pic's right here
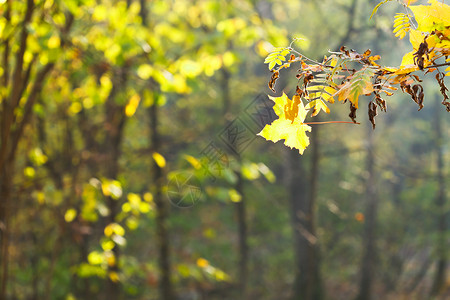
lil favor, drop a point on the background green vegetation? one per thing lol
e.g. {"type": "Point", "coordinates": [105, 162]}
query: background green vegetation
{"type": "Point", "coordinates": [104, 105]}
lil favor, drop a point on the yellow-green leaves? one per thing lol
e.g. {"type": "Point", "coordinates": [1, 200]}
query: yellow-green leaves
{"type": "Point", "coordinates": [276, 57]}
{"type": "Point", "coordinates": [317, 106]}
{"type": "Point", "coordinates": [289, 126]}
{"type": "Point", "coordinates": [401, 25]}
{"type": "Point", "coordinates": [321, 92]}
{"type": "Point", "coordinates": [360, 84]}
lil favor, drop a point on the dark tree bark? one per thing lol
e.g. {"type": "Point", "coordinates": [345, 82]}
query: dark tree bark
{"type": "Point", "coordinates": [11, 129]}
{"type": "Point", "coordinates": [162, 212]}
{"type": "Point", "coordinates": [166, 289]}
{"type": "Point", "coordinates": [114, 124]}
{"type": "Point", "coordinates": [441, 224]}
{"type": "Point", "coordinates": [242, 233]}
{"type": "Point", "coordinates": [367, 269]}
{"type": "Point", "coordinates": [5, 194]}
{"type": "Point", "coordinates": [307, 284]}
{"type": "Point", "coordinates": [240, 206]}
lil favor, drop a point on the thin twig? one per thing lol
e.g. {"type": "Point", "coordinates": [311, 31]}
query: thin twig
{"type": "Point", "coordinates": [331, 122]}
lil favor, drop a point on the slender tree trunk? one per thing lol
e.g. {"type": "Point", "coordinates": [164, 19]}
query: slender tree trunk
{"type": "Point", "coordinates": [241, 205]}
{"type": "Point", "coordinates": [11, 129]}
{"type": "Point", "coordinates": [367, 269]}
{"type": "Point", "coordinates": [242, 233]}
{"type": "Point", "coordinates": [162, 209]}
{"type": "Point", "coordinates": [441, 246]}
{"type": "Point", "coordinates": [307, 284]}
{"type": "Point", "coordinates": [162, 232]}
{"type": "Point", "coordinates": [5, 213]}
{"type": "Point", "coordinates": [114, 125]}
{"type": "Point", "coordinates": [314, 264]}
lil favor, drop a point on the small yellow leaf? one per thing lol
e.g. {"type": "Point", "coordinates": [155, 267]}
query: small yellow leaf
{"type": "Point", "coordinates": [193, 161]}
{"type": "Point", "coordinates": [53, 42]}
{"type": "Point", "coordinates": [29, 172]}
{"type": "Point", "coordinates": [70, 215]}
{"type": "Point", "coordinates": [448, 71]}
{"type": "Point", "coordinates": [159, 159]}
{"type": "Point", "coordinates": [107, 245]}
{"type": "Point", "coordinates": [132, 105]}
{"type": "Point", "coordinates": [317, 106]}
{"type": "Point", "coordinates": [111, 260]}
{"type": "Point", "coordinates": [114, 276]}
{"type": "Point", "coordinates": [114, 228]}
{"type": "Point", "coordinates": [234, 196]}
{"type": "Point", "coordinates": [108, 231]}
{"type": "Point", "coordinates": [202, 263]}
{"type": "Point", "coordinates": [95, 258]}
{"type": "Point", "coordinates": [145, 71]}
{"type": "Point", "coordinates": [148, 197]}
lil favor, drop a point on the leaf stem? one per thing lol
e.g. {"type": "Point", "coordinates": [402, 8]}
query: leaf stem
{"type": "Point", "coordinates": [331, 122]}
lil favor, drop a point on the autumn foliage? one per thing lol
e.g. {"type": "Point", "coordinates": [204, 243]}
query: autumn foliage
{"type": "Point", "coordinates": [347, 75]}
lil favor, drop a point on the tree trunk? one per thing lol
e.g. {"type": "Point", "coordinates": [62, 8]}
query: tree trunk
{"type": "Point", "coordinates": [441, 247]}
{"type": "Point", "coordinates": [242, 233]}
{"type": "Point", "coordinates": [162, 232]}
{"type": "Point", "coordinates": [367, 269]}
{"type": "Point", "coordinates": [11, 129]}
{"type": "Point", "coordinates": [241, 205]}
{"type": "Point", "coordinates": [307, 284]}
{"type": "Point", "coordinates": [5, 213]}
{"type": "Point", "coordinates": [114, 124]}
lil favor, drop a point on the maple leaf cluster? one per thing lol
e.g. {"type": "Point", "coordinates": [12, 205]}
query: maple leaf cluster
{"type": "Point", "coordinates": [347, 75]}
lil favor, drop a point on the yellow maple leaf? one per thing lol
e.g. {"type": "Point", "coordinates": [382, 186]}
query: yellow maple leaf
{"type": "Point", "coordinates": [436, 15]}
{"type": "Point", "coordinates": [289, 126]}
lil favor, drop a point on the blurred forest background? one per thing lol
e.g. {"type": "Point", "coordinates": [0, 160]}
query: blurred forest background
{"type": "Point", "coordinates": [130, 166]}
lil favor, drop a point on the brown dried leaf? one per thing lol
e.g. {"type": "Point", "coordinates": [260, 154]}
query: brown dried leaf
{"type": "Point", "coordinates": [273, 80]}
{"type": "Point", "coordinates": [443, 90]}
{"type": "Point", "coordinates": [352, 113]}
{"type": "Point", "coordinates": [372, 113]}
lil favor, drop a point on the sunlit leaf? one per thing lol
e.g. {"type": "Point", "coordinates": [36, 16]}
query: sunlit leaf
{"type": "Point", "coordinates": [159, 159]}
{"type": "Point", "coordinates": [317, 106]}
{"type": "Point", "coordinates": [401, 25]}
{"type": "Point", "coordinates": [360, 84]}
{"type": "Point", "coordinates": [95, 258]}
{"type": "Point", "coordinates": [53, 42]}
{"type": "Point", "coordinates": [234, 195]}
{"type": "Point", "coordinates": [132, 105]}
{"type": "Point", "coordinates": [202, 263]}
{"type": "Point", "coordinates": [144, 71]}
{"type": "Point", "coordinates": [435, 15]}
{"type": "Point", "coordinates": [289, 126]}
{"type": "Point", "coordinates": [70, 215]}
{"type": "Point", "coordinates": [276, 57]}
